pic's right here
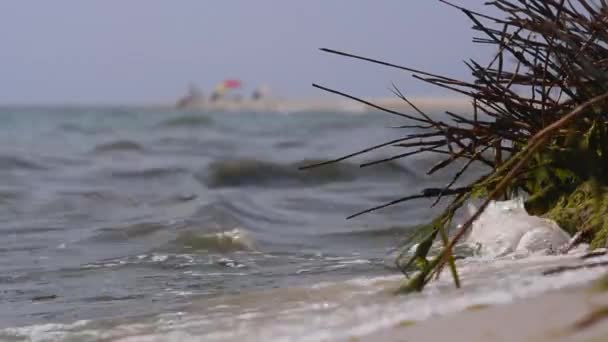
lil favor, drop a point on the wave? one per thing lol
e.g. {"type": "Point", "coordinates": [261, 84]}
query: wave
{"type": "Point", "coordinates": [393, 231]}
{"type": "Point", "coordinates": [187, 121]}
{"type": "Point", "coordinates": [284, 145]}
{"type": "Point", "coordinates": [179, 237]}
{"type": "Point", "coordinates": [252, 172]}
{"type": "Point", "coordinates": [23, 231]}
{"type": "Point", "coordinates": [71, 127]}
{"type": "Point", "coordinates": [148, 173]}
{"type": "Point", "coordinates": [118, 146]}
{"type": "Point", "coordinates": [110, 298]}
{"type": "Point", "coordinates": [222, 241]}
{"type": "Point", "coordinates": [7, 195]}
{"type": "Point", "coordinates": [13, 163]}
{"type": "Point", "coordinates": [244, 211]}
{"type": "Point", "coordinates": [134, 231]}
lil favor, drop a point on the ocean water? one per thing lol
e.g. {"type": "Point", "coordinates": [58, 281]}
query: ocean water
{"type": "Point", "coordinates": [153, 224]}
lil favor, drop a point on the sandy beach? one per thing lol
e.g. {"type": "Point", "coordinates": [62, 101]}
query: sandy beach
{"type": "Point", "coordinates": [577, 314]}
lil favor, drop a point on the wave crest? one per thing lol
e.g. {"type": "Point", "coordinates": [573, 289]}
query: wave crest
{"type": "Point", "coordinates": [223, 241]}
{"type": "Point", "coordinates": [252, 172]}
{"type": "Point", "coordinates": [12, 163]}
{"type": "Point", "coordinates": [118, 146]}
{"type": "Point", "coordinates": [187, 121]}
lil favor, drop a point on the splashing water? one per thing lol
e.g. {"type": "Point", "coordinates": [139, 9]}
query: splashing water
{"type": "Point", "coordinates": [506, 228]}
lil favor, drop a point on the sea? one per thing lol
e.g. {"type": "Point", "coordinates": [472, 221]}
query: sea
{"type": "Point", "coordinates": [153, 224]}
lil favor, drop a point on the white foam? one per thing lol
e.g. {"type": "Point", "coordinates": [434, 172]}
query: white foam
{"type": "Point", "coordinates": [506, 228]}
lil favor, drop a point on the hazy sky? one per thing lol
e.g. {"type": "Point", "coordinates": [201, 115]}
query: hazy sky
{"type": "Point", "coordinates": [137, 51]}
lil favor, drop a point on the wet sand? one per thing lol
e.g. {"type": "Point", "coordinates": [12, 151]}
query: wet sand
{"type": "Point", "coordinates": [578, 314]}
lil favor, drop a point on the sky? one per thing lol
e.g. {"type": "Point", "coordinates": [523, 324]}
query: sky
{"type": "Point", "coordinates": [149, 51]}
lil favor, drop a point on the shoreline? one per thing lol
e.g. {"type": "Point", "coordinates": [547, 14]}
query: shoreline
{"type": "Point", "coordinates": [532, 305]}
{"type": "Point", "coordinates": [337, 104]}
{"type": "Point", "coordinates": [305, 104]}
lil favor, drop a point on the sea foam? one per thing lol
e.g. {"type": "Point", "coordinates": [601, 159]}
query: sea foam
{"type": "Point", "coordinates": [506, 228]}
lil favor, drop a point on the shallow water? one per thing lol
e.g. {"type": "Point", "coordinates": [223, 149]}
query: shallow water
{"type": "Point", "coordinates": [132, 223]}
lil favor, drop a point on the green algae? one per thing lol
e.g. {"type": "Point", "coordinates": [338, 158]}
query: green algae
{"type": "Point", "coordinates": [477, 307]}
{"type": "Point", "coordinates": [407, 323]}
{"type": "Point", "coordinates": [600, 285]}
{"type": "Point", "coordinates": [584, 210]}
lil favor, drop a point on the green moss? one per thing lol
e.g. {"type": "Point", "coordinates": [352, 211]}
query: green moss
{"type": "Point", "coordinates": [476, 307]}
{"type": "Point", "coordinates": [585, 209]}
{"type": "Point", "coordinates": [601, 238]}
{"type": "Point", "coordinates": [415, 284]}
{"type": "Point", "coordinates": [600, 285]}
{"type": "Point", "coordinates": [407, 323]}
